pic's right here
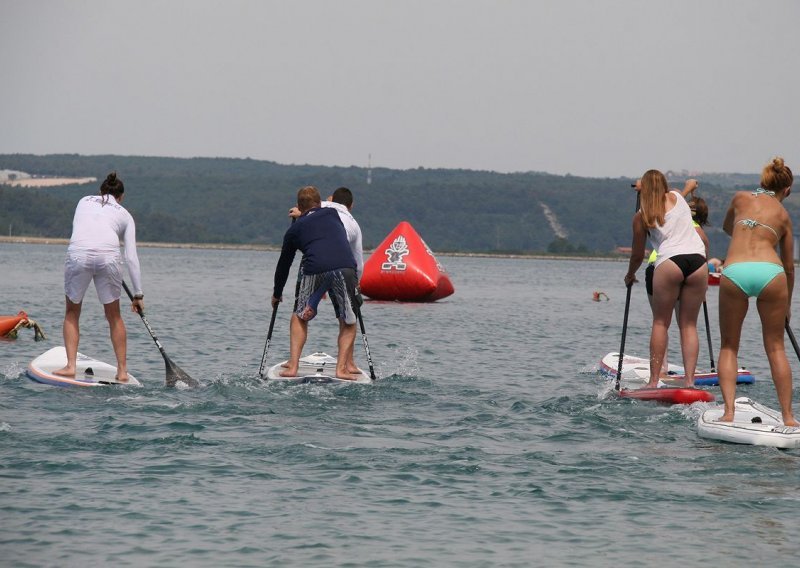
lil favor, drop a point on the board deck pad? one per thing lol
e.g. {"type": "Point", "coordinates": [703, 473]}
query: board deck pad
{"type": "Point", "coordinates": [753, 424]}
{"type": "Point", "coordinates": [314, 368]}
{"type": "Point", "coordinates": [89, 372]}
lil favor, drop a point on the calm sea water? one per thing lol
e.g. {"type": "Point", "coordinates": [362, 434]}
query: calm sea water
{"type": "Point", "coordinates": [488, 440]}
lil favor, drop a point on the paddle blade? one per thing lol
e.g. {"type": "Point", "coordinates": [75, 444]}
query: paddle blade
{"type": "Point", "coordinates": [177, 375]}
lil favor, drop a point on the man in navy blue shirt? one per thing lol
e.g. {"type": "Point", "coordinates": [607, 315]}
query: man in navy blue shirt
{"type": "Point", "coordinates": [328, 267]}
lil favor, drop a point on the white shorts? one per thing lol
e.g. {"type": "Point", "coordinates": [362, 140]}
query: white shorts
{"type": "Point", "coordinates": [105, 269]}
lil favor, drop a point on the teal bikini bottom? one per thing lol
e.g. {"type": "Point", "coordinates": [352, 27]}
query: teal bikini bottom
{"type": "Point", "coordinates": [752, 277]}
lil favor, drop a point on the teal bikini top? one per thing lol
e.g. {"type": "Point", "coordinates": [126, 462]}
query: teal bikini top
{"type": "Point", "coordinates": [752, 223]}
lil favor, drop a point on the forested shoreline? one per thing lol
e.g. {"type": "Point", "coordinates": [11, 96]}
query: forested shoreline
{"type": "Point", "coordinates": [245, 202]}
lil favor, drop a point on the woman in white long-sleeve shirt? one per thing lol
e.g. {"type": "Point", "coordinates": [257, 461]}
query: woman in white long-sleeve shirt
{"type": "Point", "coordinates": [99, 224]}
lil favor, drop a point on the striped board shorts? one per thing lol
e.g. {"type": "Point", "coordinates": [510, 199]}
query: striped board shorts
{"type": "Point", "coordinates": [339, 284]}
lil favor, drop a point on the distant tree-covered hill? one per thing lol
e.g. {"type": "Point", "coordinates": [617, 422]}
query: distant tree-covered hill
{"type": "Point", "coordinates": [220, 200]}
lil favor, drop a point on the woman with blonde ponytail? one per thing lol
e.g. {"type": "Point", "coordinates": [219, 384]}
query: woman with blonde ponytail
{"type": "Point", "coordinates": [758, 224]}
{"type": "Point", "coordinates": [680, 274]}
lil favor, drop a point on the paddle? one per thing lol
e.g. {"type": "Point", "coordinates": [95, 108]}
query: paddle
{"type": "Point", "coordinates": [272, 319]}
{"type": "Point", "coordinates": [792, 339]}
{"type": "Point", "coordinates": [360, 318]}
{"type": "Point", "coordinates": [269, 338]}
{"type": "Point", "coordinates": [625, 318]}
{"type": "Point", "coordinates": [174, 373]}
{"type": "Point", "coordinates": [624, 333]}
{"type": "Point", "coordinates": [708, 335]}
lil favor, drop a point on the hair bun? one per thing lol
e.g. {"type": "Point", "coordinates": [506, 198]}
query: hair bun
{"type": "Point", "coordinates": [777, 163]}
{"type": "Point", "coordinates": [111, 178]}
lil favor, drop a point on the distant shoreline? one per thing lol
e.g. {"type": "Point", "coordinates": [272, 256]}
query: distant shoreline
{"type": "Point", "coordinates": [272, 248]}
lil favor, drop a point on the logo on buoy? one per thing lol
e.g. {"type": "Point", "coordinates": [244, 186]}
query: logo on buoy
{"type": "Point", "coordinates": [395, 253]}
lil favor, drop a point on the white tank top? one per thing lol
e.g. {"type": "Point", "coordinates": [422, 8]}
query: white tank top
{"type": "Point", "coordinates": [99, 224]}
{"type": "Point", "coordinates": [677, 235]}
{"type": "Point", "coordinates": [353, 234]}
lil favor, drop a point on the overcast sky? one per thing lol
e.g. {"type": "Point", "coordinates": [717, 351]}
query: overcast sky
{"type": "Point", "coordinates": [592, 88]}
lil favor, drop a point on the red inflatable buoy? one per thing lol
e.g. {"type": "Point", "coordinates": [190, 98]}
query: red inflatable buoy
{"type": "Point", "coordinates": [403, 268]}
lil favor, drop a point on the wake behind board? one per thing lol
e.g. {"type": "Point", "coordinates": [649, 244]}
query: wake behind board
{"type": "Point", "coordinates": [753, 424]}
{"type": "Point", "coordinates": [669, 395]}
{"type": "Point", "coordinates": [88, 372]}
{"type": "Point", "coordinates": [638, 368]}
{"type": "Point", "coordinates": [314, 368]}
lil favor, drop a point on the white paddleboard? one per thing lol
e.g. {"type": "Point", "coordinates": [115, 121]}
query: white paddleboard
{"type": "Point", "coordinates": [638, 369]}
{"type": "Point", "coordinates": [88, 372]}
{"type": "Point", "coordinates": [753, 424]}
{"type": "Point", "coordinates": [314, 368]}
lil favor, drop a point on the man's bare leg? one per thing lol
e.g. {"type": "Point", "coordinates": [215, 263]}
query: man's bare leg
{"type": "Point", "coordinates": [347, 335]}
{"type": "Point", "coordinates": [298, 332]}
{"type": "Point", "coordinates": [72, 336]}
{"type": "Point", "coordinates": [350, 364]}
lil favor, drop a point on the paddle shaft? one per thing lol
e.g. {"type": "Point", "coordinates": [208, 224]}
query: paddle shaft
{"type": "Point", "coordinates": [174, 373]}
{"type": "Point", "coordinates": [708, 336]}
{"type": "Point", "coordinates": [360, 319]}
{"type": "Point", "coordinates": [625, 319]}
{"type": "Point", "coordinates": [269, 338]}
{"type": "Point", "coordinates": [146, 323]}
{"type": "Point", "coordinates": [272, 324]}
{"type": "Point", "coordinates": [624, 333]}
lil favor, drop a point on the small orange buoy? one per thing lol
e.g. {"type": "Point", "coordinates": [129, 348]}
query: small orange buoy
{"type": "Point", "coordinates": [10, 325]}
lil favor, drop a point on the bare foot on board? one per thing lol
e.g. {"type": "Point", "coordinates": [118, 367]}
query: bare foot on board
{"type": "Point", "coordinates": [65, 372]}
{"type": "Point", "coordinates": [347, 377]}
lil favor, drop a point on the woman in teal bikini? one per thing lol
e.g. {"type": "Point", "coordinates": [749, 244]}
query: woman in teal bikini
{"type": "Point", "coordinates": [758, 223]}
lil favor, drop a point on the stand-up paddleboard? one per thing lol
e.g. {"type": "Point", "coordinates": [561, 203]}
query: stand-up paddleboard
{"type": "Point", "coordinates": [314, 368]}
{"type": "Point", "coordinates": [88, 372]}
{"type": "Point", "coordinates": [638, 368]}
{"type": "Point", "coordinates": [753, 424]}
{"type": "Point", "coordinates": [669, 395]}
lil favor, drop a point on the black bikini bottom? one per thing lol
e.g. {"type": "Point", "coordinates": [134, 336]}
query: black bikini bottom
{"type": "Point", "coordinates": [688, 263]}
